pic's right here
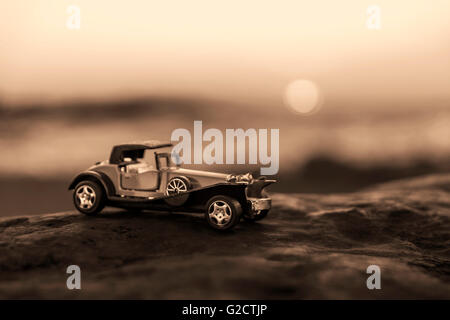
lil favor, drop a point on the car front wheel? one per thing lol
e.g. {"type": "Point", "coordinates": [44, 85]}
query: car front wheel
{"type": "Point", "coordinates": [223, 213]}
{"type": "Point", "coordinates": [89, 197]}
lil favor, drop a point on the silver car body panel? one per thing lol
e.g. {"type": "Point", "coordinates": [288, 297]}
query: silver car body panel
{"type": "Point", "coordinates": [128, 180]}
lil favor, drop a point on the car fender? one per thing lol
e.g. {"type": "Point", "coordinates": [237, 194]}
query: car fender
{"type": "Point", "coordinates": [98, 177]}
{"type": "Point", "coordinates": [200, 196]}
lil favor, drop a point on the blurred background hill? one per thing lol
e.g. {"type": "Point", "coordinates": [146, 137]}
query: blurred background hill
{"type": "Point", "coordinates": [45, 146]}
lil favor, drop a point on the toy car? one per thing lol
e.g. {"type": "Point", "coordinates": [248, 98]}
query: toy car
{"type": "Point", "coordinates": [142, 176]}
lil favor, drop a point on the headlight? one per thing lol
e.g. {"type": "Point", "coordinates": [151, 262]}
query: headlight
{"type": "Point", "coordinates": [245, 177]}
{"type": "Point", "coordinates": [231, 178]}
{"type": "Point", "coordinates": [240, 178]}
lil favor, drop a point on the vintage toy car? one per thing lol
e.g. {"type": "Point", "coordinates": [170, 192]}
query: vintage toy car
{"type": "Point", "coordinates": [143, 176]}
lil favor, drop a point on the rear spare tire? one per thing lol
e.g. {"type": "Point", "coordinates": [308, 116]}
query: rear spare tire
{"type": "Point", "coordinates": [177, 189]}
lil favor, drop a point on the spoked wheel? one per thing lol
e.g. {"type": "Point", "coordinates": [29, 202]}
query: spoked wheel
{"type": "Point", "coordinates": [177, 185]}
{"type": "Point", "coordinates": [223, 212]}
{"type": "Point", "coordinates": [258, 215]}
{"type": "Point", "coordinates": [88, 197]}
{"type": "Point", "coordinates": [174, 188]}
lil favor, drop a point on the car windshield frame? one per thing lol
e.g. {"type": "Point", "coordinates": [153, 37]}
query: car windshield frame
{"type": "Point", "coordinates": [136, 149]}
{"type": "Point", "coordinates": [166, 155]}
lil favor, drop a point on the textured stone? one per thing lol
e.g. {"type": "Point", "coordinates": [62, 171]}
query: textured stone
{"type": "Point", "coordinates": [310, 246]}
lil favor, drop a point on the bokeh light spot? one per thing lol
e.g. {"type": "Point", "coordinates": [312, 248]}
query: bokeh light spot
{"type": "Point", "coordinates": [303, 96]}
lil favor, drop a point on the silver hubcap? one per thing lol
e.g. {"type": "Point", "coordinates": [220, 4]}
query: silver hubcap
{"type": "Point", "coordinates": [85, 196]}
{"type": "Point", "coordinates": [176, 186]}
{"type": "Point", "coordinates": [219, 213]}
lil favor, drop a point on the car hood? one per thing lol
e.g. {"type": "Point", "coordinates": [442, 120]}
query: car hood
{"type": "Point", "coordinates": [199, 173]}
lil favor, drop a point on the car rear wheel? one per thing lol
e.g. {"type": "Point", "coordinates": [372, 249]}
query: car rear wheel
{"type": "Point", "coordinates": [89, 197]}
{"type": "Point", "coordinates": [223, 213]}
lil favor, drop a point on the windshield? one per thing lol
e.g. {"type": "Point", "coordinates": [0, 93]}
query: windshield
{"type": "Point", "coordinates": [164, 160]}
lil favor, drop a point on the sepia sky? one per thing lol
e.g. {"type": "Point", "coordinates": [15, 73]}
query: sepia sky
{"type": "Point", "coordinates": [244, 51]}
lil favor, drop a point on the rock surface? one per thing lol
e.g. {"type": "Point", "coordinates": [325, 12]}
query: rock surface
{"type": "Point", "coordinates": [310, 246]}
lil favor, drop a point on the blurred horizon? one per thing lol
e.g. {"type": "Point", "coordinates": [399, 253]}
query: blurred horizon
{"type": "Point", "coordinates": [47, 141]}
